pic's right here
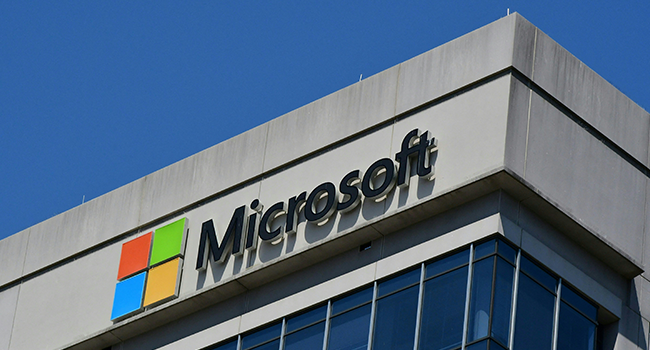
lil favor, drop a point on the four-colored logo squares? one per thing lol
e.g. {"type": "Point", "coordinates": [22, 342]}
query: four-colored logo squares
{"type": "Point", "coordinates": [150, 269]}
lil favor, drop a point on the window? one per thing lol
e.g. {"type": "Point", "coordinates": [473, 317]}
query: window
{"type": "Point", "coordinates": [467, 298]}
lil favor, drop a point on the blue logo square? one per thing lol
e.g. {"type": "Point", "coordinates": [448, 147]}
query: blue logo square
{"type": "Point", "coordinates": [128, 296]}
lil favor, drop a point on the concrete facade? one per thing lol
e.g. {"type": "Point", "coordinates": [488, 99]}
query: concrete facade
{"type": "Point", "coordinates": [533, 146]}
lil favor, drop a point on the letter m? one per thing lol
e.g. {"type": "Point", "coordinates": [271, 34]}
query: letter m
{"type": "Point", "coordinates": [209, 245]}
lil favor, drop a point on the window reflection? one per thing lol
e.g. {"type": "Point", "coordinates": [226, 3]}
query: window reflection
{"type": "Point", "coordinates": [395, 320]}
{"type": "Point", "coordinates": [349, 330]}
{"type": "Point", "coordinates": [443, 311]}
{"type": "Point", "coordinates": [446, 310]}
{"type": "Point", "coordinates": [534, 320]}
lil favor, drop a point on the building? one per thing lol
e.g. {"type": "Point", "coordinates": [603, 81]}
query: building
{"type": "Point", "coordinates": [488, 194]}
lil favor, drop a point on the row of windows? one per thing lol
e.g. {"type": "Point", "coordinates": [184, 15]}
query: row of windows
{"type": "Point", "coordinates": [486, 297]}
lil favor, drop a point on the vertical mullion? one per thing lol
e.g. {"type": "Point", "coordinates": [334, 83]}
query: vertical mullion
{"type": "Point", "coordinates": [493, 295]}
{"type": "Point", "coordinates": [556, 317]}
{"type": "Point", "coordinates": [515, 292]}
{"type": "Point", "coordinates": [282, 332]}
{"type": "Point", "coordinates": [372, 315]}
{"type": "Point", "coordinates": [418, 315]}
{"type": "Point", "coordinates": [467, 296]}
{"type": "Point", "coordinates": [328, 315]}
{"type": "Point", "coordinates": [239, 341]}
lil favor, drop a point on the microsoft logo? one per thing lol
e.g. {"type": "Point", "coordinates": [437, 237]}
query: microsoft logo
{"type": "Point", "coordinates": [150, 269]}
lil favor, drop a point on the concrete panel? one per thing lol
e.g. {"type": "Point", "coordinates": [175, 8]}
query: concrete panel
{"type": "Point", "coordinates": [573, 274]}
{"type": "Point", "coordinates": [331, 118]}
{"type": "Point", "coordinates": [592, 97]}
{"type": "Point", "coordinates": [539, 236]}
{"type": "Point", "coordinates": [471, 133]}
{"type": "Point", "coordinates": [586, 178]}
{"type": "Point", "coordinates": [455, 64]}
{"type": "Point", "coordinates": [524, 45]}
{"type": "Point", "coordinates": [220, 211]}
{"type": "Point", "coordinates": [70, 302]}
{"type": "Point", "coordinates": [517, 132]}
{"type": "Point", "coordinates": [646, 234]}
{"type": "Point", "coordinates": [199, 339]}
{"type": "Point", "coordinates": [321, 292]}
{"type": "Point", "coordinates": [8, 301]}
{"type": "Point", "coordinates": [628, 331]}
{"type": "Point", "coordinates": [642, 287]}
{"type": "Point", "coordinates": [434, 247]}
{"type": "Point", "coordinates": [331, 166]}
{"type": "Point", "coordinates": [644, 332]}
{"type": "Point", "coordinates": [204, 174]}
{"type": "Point", "coordinates": [509, 211]}
{"type": "Point", "coordinates": [12, 256]}
{"type": "Point", "coordinates": [83, 227]}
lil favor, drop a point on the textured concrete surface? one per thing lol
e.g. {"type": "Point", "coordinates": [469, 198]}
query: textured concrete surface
{"type": "Point", "coordinates": [455, 64]}
{"type": "Point", "coordinates": [8, 301]}
{"type": "Point", "coordinates": [12, 256]}
{"type": "Point", "coordinates": [591, 97]}
{"type": "Point", "coordinates": [581, 174]}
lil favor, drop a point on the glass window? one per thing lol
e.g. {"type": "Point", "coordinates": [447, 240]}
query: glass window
{"type": "Point", "coordinates": [507, 252]}
{"type": "Point", "coordinates": [534, 319]}
{"type": "Point", "coordinates": [398, 282]}
{"type": "Point", "coordinates": [482, 345]}
{"type": "Point", "coordinates": [481, 297]}
{"type": "Point", "coordinates": [352, 301]}
{"type": "Point", "coordinates": [575, 331]}
{"type": "Point", "coordinates": [231, 345]}
{"type": "Point", "coordinates": [502, 301]}
{"type": "Point", "coordinates": [579, 302]}
{"type": "Point", "coordinates": [495, 346]}
{"type": "Point", "coordinates": [538, 274]}
{"type": "Point", "coordinates": [349, 330]}
{"type": "Point", "coordinates": [448, 263]}
{"type": "Point", "coordinates": [306, 318]}
{"type": "Point", "coordinates": [443, 311]}
{"type": "Point", "coordinates": [261, 336]}
{"type": "Point", "coordinates": [307, 338]}
{"type": "Point", "coordinates": [484, 249]}
{"type": "Point", "coordinates": [395, 320]}
{"type": "Point", "coordinates": [274, 345]}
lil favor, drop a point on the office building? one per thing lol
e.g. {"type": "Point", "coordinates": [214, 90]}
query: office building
{"type": "Point", "coordinates": [488, 194]}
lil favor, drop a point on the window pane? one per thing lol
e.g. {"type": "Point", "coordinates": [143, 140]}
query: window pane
{"type": "Point", "coordinates": [274, 345]}
{"type": "Point", "coordinates": [447, 263]}
{"type": "Point", "coordinates": [395, 320]}
{"type": "Point", "coordinates": [479, 306]}
{"type": "Point", "coordinates": [534, 322]}
{"type": "Point", "coordinates": [443, 311]}
{"type": "Point", "coordinates": [538, 273]}
{"type": "Point", "coordinates": [306, 318]}
{"type": "Point", "coordinates": [307, 338]}
{"type": "Point", "coordinates": [495, 346]}
{"type": "Point", "coordinates": [398, 282]}
{"type": "Point", "coordinates": [575, 331]}
{"type": "Point", "coordinates": [351, 301]}
{"type": "Point", "coordinates": [349, 331]}
{"type": "Point", "coordinates": [507, 251]}
{"type": "Point", "coordinates": [228, 346]}
{"type": "Point", "coordinates": [482, 345]}
{"type": "Point", "coordinates": [484, 249]}
{"type": "Point", "coordinates": [502, 301]}
{"type": "Point", "coordinates": [261, 336]}
{"type": "Point", "coordinates": [579, 302]}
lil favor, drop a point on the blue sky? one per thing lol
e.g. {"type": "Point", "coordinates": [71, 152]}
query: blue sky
{"type": "Point", "coordinates": [94, 95]}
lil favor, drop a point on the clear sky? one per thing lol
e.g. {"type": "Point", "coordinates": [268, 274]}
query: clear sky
{"type": "Point", "coordinates": [96, 94]}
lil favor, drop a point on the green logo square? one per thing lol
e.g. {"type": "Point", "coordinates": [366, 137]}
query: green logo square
{"type": "Point", "coordinates": [168, 242]}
